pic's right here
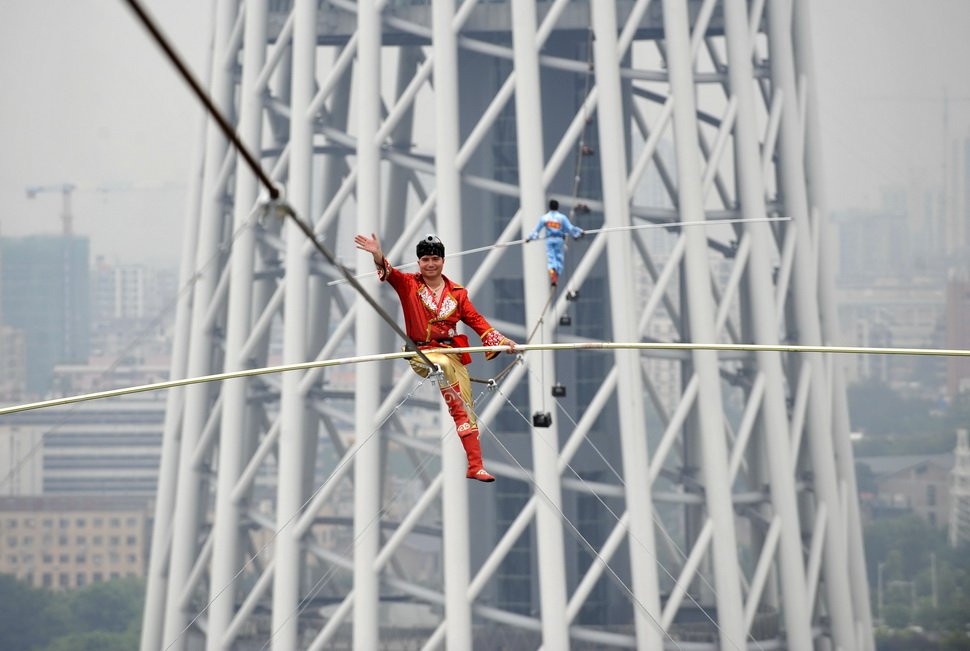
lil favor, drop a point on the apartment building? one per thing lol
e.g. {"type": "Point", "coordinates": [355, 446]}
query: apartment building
{"type": "Point", "coordinates": [61, 542]}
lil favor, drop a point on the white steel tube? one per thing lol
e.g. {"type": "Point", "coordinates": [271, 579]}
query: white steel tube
{"type": "Point", "coordinates": [805, 291]}
{"type": "Point", "coordinates": [236, 413]}
{"type": "Point", "coordinates": [545, 441]}
{"type": "Point", "coordinates": [290, 452]}
{"type": "Point", "coordinates": [187, 512]}
{"type": "Point", "coordinates": [458, 617]}
{"type": "Point", "coordinates": [805, 63]}
{"type": "Point", "coordinates": [773, 426]}
{"type": "Point", "coordinates": [367, 466]}
{"type": "Point", "coordinates": [633, 435]}
{"type": "Point", "coordinates": [151, 632]}
{"type": "Point", "coordinates": [700, 310]}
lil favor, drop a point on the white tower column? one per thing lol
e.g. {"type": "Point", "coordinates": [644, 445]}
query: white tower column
{"type": "Point", "coordinates": [367, 463]}
{"type": "Point", "coordinates": [189, 509]}
{"type": "Point", "coordinates": [774, 422]}
{"type": "Point", "coordinates": [700, 311]}
{"type": "Point", "coordinates": [805, 286]}
{"type": "Point", "coordinates": [633, 431]}
{"type": "Point", "coordinates": [545, 441]}
{"type": "Point", "coordinates": [293, 415]}
{"type": "Point", "coordinates": [236, 413]}
{"type": "Point", "coordinates": [455, 537]}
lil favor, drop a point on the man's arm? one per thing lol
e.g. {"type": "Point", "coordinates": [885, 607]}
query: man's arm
{"type": "Point", "coordinates": [572, 229]}
{"type": "Point", "coordinates": [535, 231]}
{"type": "Point", "coordinates": [489, 335]}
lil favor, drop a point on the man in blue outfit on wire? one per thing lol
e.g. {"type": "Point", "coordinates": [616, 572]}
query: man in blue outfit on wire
{"type": "Point", "coordinates": [557, 227]}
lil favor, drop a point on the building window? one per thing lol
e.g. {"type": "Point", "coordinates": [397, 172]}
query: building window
{"type": "Point", "coordinates": [48, 558]}
{"type": "Point", "coordinates": [62, 540]}
{"type": "Point", "coordinates": [115, 540]}
{"type": "Point", "coordinates": [132, 540]}
{"type": "Point", "coordinates": [28, 540]}
{"type": "Point", "coordinates": [64, 523]}
{"type": "Point", "coordinates": [81, 522]}
{"type": "Point", "coordinates": [931, 495]}
{"type": "Point", "coordinates": [48, 580]}
{"type": "Point", "coordinates": [64, 580]}
{"type": "Point", "coordinates": [48, 523]}
{"type": "Point", "coordinates": [97, 522]}
{"type": "Point", "coordinates": [114, 522]}
{"type": "Point", "coordinates": [11, 524]}
{"type": "Point", "coordinates": [80, 579]}
{"type": "Point", "coordinates": [11, 559]}
{"type": "Point", "coordinates": [81, 558]}
{"type": "Point", "coordinates": [12, 541]}
{"type": "Point", "coordinates": [98, 577]}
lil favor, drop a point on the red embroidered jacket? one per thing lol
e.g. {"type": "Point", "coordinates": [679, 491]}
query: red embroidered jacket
{"type": "Point", "coordinates": [426, 322]}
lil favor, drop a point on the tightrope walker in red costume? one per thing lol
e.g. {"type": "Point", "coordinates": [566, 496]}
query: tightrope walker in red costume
{"type": "Point", "coordinates": [433, 305]}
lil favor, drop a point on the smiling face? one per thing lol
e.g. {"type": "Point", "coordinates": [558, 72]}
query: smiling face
{"type": "Point", "coordinates": [431, 267]}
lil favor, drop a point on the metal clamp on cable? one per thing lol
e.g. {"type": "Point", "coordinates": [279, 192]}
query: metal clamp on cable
{"type": "Point", "coordinates": [437, 375]}
{"type": "Point", "coordinates": [277, 207]}
{"type": "Point", "coordinates": [492, 384]}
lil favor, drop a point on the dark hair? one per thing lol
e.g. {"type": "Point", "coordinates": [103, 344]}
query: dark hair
{"type": "Point", "coordinates": [430, 245]}
{"type": "Point", "coordinates": [553, 204]}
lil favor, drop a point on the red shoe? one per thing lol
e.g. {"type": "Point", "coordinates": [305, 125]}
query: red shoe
{"type": "Point", "coordinates": [481, 475]}
{"type": "Point", "coordinates": [473, 450]}
{"type": "Point", "coordinates": [553, 277]}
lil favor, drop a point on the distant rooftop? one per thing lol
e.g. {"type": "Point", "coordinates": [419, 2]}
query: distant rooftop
{"type": "Point", "coordinates": [890, 465]}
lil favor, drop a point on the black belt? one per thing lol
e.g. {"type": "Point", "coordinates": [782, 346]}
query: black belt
{"type": "Point", "coordinates": [446, 342]}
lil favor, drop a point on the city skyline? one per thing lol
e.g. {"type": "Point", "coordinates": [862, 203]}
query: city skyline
{"type": "Point", "coordinates": [134, 126]}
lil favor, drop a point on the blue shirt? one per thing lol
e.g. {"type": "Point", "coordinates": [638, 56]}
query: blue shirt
{"type": "Point", "coordinates": [557, 225]}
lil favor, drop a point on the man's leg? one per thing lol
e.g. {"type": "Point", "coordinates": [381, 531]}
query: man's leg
{"type": "Point", "coordinates": [456, 390]}
{"type": "Point", "coordinates": [554, 259]}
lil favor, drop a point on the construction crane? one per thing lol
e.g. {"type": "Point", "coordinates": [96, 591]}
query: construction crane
{"type": "Point", "coordinates": [66, 189]}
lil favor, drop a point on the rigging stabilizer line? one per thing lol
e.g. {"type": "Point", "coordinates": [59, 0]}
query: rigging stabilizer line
{"type": "Point", "coordinates": [703, 222]}
{"type": "Point", "coordinates": [520, 348]}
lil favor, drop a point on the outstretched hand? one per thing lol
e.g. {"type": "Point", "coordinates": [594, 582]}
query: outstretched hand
{"type": "Point", "coordinates": [510, 346]}
{"type": "Point", "coordinates": [370, 244]}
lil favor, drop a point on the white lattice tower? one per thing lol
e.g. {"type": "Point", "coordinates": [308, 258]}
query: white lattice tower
{"type": "Point", "coordinates": [960, 493]}
{"type": "Point", "coordinates": [680, 498]}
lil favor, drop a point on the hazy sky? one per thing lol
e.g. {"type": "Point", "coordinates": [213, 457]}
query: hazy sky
{"type": "Point", "coordinates": [88, 99]}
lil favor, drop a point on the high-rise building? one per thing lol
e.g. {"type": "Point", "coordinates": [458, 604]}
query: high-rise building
{"type": "Point", "coordinates": [45, 293]}
{"type": "Point", "coordinates": [958, 333]}
{"type": "Point", "coordinates": [132, 310]}
{"type": "Point", "coordinates": [13, 364]}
